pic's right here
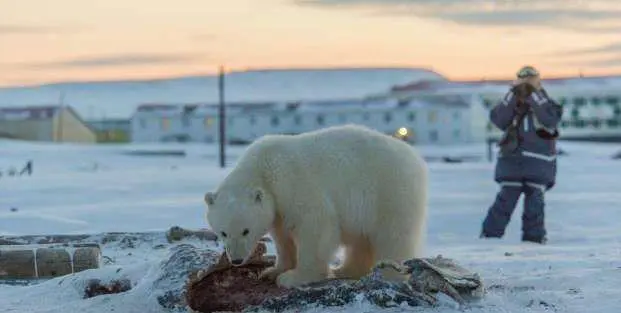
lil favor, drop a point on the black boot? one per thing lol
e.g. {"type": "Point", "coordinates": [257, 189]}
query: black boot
{"type": "Point", "coordinates": [540, 240]}
{"type": "Point", "coordinates": [485, 236]}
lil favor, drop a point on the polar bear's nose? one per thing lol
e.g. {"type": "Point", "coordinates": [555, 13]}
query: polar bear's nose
{"type": "Point", "coordinates": [237, 261]}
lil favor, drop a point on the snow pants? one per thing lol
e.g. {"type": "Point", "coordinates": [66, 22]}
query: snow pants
{"type": "Point", "coordinates": [499, 214]}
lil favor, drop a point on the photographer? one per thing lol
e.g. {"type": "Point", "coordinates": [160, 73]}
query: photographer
{"type": "Point", "coordinates": [527, 157]}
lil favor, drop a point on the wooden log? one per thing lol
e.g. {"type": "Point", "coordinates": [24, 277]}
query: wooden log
{"type": "Point", "coordinates": [85, 258]}
{"type": "Point", "coordinates": [32, 262]}
{"type": "Point", "coordinates": [53, 262]}
{"type": "Point", "coordinates": [17, 264]}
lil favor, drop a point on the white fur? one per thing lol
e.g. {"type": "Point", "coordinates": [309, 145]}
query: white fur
{"type": "Point", "coordinates": [345, 185]}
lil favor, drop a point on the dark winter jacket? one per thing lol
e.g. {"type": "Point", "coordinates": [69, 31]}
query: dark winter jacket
{"type": "Point", "coordinates": [528, 149]}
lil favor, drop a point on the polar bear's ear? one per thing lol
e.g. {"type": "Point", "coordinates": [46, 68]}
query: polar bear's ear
{"type": "Point", "coordinates": [210, 198]}
{"type": "Point", "coordinates": [258, 195]}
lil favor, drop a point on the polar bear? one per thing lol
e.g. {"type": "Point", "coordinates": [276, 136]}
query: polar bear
{"type": "Point", "coordinates": [347, 186]}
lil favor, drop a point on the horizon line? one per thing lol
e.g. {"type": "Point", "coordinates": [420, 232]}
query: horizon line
{"type": "Point", "coordinates": [148, 79]}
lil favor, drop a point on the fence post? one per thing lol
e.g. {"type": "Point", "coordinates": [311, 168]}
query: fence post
{"type": "Point", "coordinates": [490, 152]}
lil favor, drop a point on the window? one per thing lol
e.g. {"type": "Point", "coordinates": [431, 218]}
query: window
{"type": "Point", "coordinates": [143, 123]}
{"type": "Point", "coordinates": [562, 101]}
{"type": "Point", "coordinates": [366, 116]}
{"type": "Point", "coordinates": [596, 101]}
{"type": "Point", "coordinates": [253, 120]}
{"type": "Point", "coordinates": [487, 103]}
{"type": "Point", "coordinates": [433, 136]}
{"type": "Point", "coordinates": [432, 116]}
{"type": "Point", "coordinates": [297, 120]}
{"type": "Point", "coordinates": [185, 120]}
{"type": "Point", "coordinates": [579, 123]}
{"type": "Point", "coordinates": [387, 117]}
{"type": "Point", "coordinates": [275, 121]}
{"type": "Point", "coordinates": [575, 113]}
{"type": "Point", "coordinates": [612, 100]}
{"type": "Point", "coordinates": [208, 122]}
{"type": "Point", "coordinates": [579, 101]}
{"type": "Point", "coordinates": [165, 123]}
{"type": "Point", "coordinates": [403, 103]}
{"type": "Point", "coordinates": [320, 119]}
{"type": "Point", "coordinates": [411, 116]}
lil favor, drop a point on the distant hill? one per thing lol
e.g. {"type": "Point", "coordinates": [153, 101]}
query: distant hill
{"type": "Point", "coordinates": [119, 98]}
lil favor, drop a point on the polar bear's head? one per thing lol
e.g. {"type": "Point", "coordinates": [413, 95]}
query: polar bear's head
{"type": "Point", "coordinates": [240, 217]}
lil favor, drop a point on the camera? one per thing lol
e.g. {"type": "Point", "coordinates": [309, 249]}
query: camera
{"type": "Point", "coordinates": [523, 90]}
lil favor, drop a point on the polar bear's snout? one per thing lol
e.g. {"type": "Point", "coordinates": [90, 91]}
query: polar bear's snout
{"type": "Point", "coordinates": [238, 251]}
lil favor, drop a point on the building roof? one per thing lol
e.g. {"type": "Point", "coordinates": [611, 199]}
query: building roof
{"type": "Point", "coordinates": [39, 112]}
{"type": "Point", "coordinates": [29, 112]}
{"type": "Point", "coordinates": [435, 85]}
{"type": "Point", "coordinates": [169, 109]}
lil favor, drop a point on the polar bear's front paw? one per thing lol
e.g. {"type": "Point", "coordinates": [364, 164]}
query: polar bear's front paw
{"type": "Point", "coordinates": [295, 278]}
{"type": "Point", "coordinates": [272, 273]}
{"type": "Point", "coordinates": [289, 279]}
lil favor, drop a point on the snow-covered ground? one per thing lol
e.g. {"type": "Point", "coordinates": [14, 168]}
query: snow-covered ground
{"type": "Point", "coordinates": [92, 189]}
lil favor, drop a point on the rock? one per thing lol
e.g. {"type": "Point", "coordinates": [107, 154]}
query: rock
{"type": "Point", "coordinates": [95, 288]}
{"type": "Point", "coordinates": [177, 233]}
{"type": "Point", "coordinates": [223, 287]}
{"type": "Point", "coordinates": [183, 260]}
{"type": "Point", "coordinates": [434, 275]}
{"type": "Point", "coordinates": [125, 240]}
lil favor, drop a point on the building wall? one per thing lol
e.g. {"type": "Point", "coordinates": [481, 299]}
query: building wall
{"type": "Point", "coordinates": [68, 128]}
{"type": "Point", "coordinates": [587, 113]}
{"type": "Point", "coordinates": [111, 130]}
{"type": "Point", "coordinates": [36, 130]}
{"type": "Point", "coordinates": [429, 125]}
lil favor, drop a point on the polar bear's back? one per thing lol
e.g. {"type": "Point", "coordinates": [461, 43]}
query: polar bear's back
{"type": "Point", "coordinates": [361, 176]}
{"type": "Point", "coordinates": [356, 148]}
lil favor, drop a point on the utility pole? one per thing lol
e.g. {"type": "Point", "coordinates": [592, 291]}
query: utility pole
{"type": "Point", "coordinates": [222, 118]}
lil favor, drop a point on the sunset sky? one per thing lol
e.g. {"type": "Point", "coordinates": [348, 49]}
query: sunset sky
{"type": "Point", "coordinates": [61, 40]}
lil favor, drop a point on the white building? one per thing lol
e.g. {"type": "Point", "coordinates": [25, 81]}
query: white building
{"type": "Point", "coordinates": [429, 120]}
{"type": "Point", "coordinates": [592, 105]}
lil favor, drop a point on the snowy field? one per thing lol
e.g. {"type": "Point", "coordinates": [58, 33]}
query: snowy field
{"type": "Point", "coordinates": [82, 189]}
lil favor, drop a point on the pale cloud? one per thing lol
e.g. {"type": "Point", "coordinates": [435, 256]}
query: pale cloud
{"type": "Point", "coordinates": [605, 56]}
{"type": "Point", "coordinates": [117, 60]}
{"type": "Point", "coordinates": [606, 49]}
{"type": "Point", "coordinates": [601, 16]}
{"type": "Point", "coordinates": [19, 29]}
{"type": "Point", "coordinates": [599, 63]}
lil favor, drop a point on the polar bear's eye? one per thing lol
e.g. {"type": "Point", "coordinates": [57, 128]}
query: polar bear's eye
{"type": "Point", "coordinates": [223, 234]}
{"type": "Point", "coordinates": [246, 231]}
